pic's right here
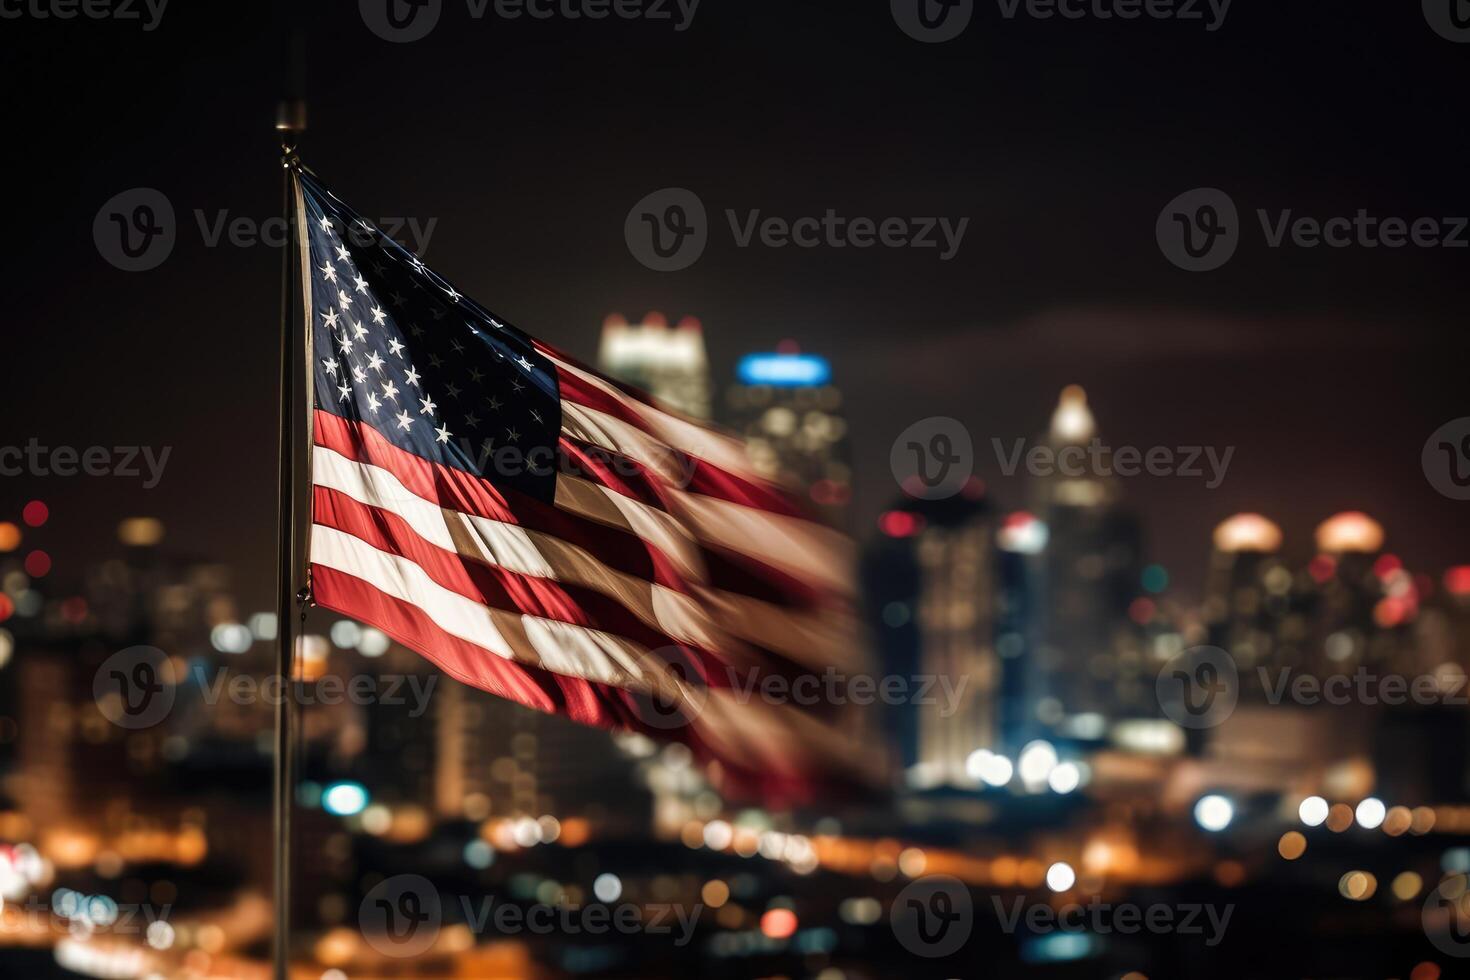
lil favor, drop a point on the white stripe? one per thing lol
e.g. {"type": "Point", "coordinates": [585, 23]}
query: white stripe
{"type": "Point", "coordinates": [564, 648]}
{"type": "Point", "coordinates": [514, 548]}
{"type": "Point", "coordinates": [697, 440]}
{"type": "Point", "coordinates": [803, 548]}
{"type": "Point", "coordinates": [402, 579]}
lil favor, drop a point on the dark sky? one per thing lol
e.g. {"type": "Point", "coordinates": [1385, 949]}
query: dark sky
{"type": "Point", "coordinates": [529, 141]}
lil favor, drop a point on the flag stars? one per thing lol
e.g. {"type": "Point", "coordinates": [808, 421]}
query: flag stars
{"type": "Point", "coordinates": [326, 224]}
{"type": "Point", "coordinates": [359, 283]}
{"type": "Point", "coordinates": [373, 403]}
{"type": "Point", "coordinates": [472, 420]}
{"type": "Point", "coordinates": [378, 315]}
{"type": "Point", "coordinates": [331, 317]}
{"type": "Point", "coordinates": [358, 330]}
{"type": "Point", "coordinates": [375, 361]}
{"type": "Point", "coordinates": [404, 420]}
{"type": "Point", "coordinates": [442, 433]}
{"type": "Point", "coordinates": [413, 376]}
{"type": "Point", "coordinates": [437, 313]}
{"type": "Point", "coordinates": [397, 298]}
{"type": "Point", "coordinates": [435, 361]}
{"type": "Point", "coordinates": [343, 300]}
{"type": "Point", "coordinates": [331, 365]}
{"type": "Point", "coordinates": [345, 343]}
{"type": "Point", "coordinates": [359, 375]}
{"type": "Point", "coordinates": [379, 269]}
{"type": "Point", "coordinates": [395, 346]}
{"type": "Point", "coordinates": [330, 271]}
{"type": "Point", "coordinates": [512, 435]}
{"type": "Point", "coordinates": [456, 346]}
{"type": "Point", "coordinates": [390, 390]}
{"type": "Point", "coordinates": [428, 405]}
{"type": "Point", "coordinates": [516, 386]}
{"type": "Point", "coordinates": [494, 404]}
{"type": "Point", "coordinates": [417, 263]}
{"type": "Point", "coordinates": [477, 376]}
{"type": "Point", "coordinates": [345, 391]}
{"type": "Point", "coordinates": [525, 364]}
{"type": "Point", "coordinates": [343, 254]}
{"type": "Point", "coordinates": [453, 390]}
{"type": "Point", "coordinates": [453, 296]}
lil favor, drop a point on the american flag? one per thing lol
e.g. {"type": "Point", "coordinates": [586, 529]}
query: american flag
{"type": "Point", "coordinates": [544, 533]}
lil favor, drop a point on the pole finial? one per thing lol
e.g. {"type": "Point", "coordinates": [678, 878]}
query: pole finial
{"type": "Point", "coordinates": [290, 124]}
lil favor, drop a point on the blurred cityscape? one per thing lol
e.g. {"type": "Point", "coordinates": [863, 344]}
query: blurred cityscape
{"type": "Point", "coordinates": [1291, 747]}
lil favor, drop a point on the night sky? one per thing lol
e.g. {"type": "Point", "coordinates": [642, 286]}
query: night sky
{"type": "Point", "coordinates": [529, 141]}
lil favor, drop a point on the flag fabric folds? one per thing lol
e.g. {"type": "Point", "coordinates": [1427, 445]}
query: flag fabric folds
{"type": "Point", "coordinates": [546, 534]}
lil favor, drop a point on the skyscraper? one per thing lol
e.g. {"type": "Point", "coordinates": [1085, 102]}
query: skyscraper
{"type": "Point", "coordinates": [669, 364]}
{"type": "Point", "coordinates": [1093, 566]}
{"type": "Point", "coordinates": [931, 584]}
{"type": "Point", "coordinates": [788, 410]}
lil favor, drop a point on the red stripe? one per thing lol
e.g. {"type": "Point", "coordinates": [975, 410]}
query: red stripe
{"type": "Point", "coordinates": [453, 488]}
{"type": "Point", "coordinates": [501, 588]}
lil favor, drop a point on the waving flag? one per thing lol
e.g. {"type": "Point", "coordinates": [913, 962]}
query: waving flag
{"type": "Point", "coordinates": [549, 535]}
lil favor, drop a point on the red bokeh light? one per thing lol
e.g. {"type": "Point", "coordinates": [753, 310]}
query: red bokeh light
{"type": "Point", "coordinates": [7, 608]}
{"type": "Point", "coordinates": [1386, 565]}
{"type": "Point", "coordinates": [1322, 568]}
{"type": "Point", "coordinates": [1457, 580]}
{"type": "Point", "coordinates": [74, 610]}
{"type": "Point", "coordinates": [35, 513]}
{"type": "Point", "coordinates": [1141, 611]}
{"type": "Point", "coordinates": [900, 524]}
{"type": "Point", "coordinates": [778, 923]}
{"type": "Point", "coordinates": [38, 564]}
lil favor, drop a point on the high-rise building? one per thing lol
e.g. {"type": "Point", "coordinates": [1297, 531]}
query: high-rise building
{"type": "Point", "coordinates": [668, 363]}
{"type": "Point", "coordinates": [789, 412]}
{"type": "Point", "coordinates": [1093, 567]}
{"type": "Point", "coordinates": [1254, 605]}
{"type": "Point", "coordinates": [931, 586]}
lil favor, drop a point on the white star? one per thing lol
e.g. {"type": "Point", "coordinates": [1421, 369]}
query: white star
{"type": "Point", "coordinates": [516, 386]}
{"type": "Point", "coordinates": [493, 403]}
{"type": "Point", "coordinates": [443, 433]}
{"type": "Point", "coordinates": [373, 403]}
{"type": "Point", "coordinates": [395, 346]}
{"type": "Point", "coordinates": [359, 330]}
{"type": "Point", "coordinates": [404, 420]}
{"type": "Point", "coordinates": [429, 406]}
{"type": "Point", "coordinates": [524, 363]}
{"type": "Point", "coordinates": [512, 434]}
{"type": "Point", "coordinates": [390, 390]}
{"type": "Point", "coordinates": [472, 420]}
{"type": "Point", "coordinates": [345, 342]}
{"type": "Point", "coordinates": [330, 363]}
{"type": "Point", "coordinates": [453, 296]}
{"type": "Point", "coordinates": [359, 375]}
{"type": "Point", "coordinates": [326, 223]}
{"type": "Point", "coordinates": [344, 300]}
{"type": "Point", "coordinates": [330, 271]}
{"type": "Point", "coordinates": [418, 265]}
{"type": "Point", "coordinates": [331, 317]}
{"type": "Point", "coordinates": [378, 316]}
{"type": "Point", "coordinates": [342, 253]}
{"type": "Point", "coordinates": [346, 390]}
{"type": "Point", "coordinates": [375, 362]}
{"type": "Point", "coordinates": [360, 283]}
{"type": "Point", "coordinates": [413, 376]}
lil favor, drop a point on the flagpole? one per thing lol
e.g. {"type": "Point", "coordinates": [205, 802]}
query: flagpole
{"type": "Point", "coordinates": [290, 122]}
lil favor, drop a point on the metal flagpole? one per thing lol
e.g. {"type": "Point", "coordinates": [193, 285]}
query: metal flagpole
{"type": "Point", "coordinates": [290, 122]}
